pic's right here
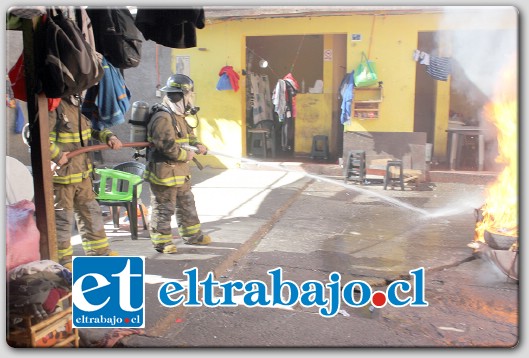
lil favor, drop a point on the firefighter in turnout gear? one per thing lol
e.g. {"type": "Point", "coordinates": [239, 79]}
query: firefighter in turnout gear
{"type": "Point", "coordinates": [168, 170]}
{"type": "Point", "coordinates": [72, 181]}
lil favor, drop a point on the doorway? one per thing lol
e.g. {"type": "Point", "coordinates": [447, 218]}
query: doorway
{"type": "Point", "coordinates": [269, 61]}
{"type": "Point", "coordinates": [272, 59]}
{"type": "Point", "coordinates": [425, 91]}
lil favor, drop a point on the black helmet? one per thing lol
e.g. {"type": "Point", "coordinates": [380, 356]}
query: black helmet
{"type": "Point", "coordinates": [178, 83]}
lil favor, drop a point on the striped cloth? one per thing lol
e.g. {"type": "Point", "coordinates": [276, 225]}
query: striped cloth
{"type": "Point", "coordinates": [439, 68]}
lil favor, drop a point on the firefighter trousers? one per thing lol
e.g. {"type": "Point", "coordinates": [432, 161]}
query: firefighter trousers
{"type": "Point", "coordinates": [77, 201]}
{"type": "Point", "coordinates": [167, 201]}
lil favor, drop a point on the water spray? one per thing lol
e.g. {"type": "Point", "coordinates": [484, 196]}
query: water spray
{"type": "Point", "coordinates": [320, 178]}
{"type": "Point", "coordinates": [390, 200]}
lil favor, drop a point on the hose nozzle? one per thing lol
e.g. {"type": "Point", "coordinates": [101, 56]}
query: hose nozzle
{"type": "Point", "coordinates": [190, 148]}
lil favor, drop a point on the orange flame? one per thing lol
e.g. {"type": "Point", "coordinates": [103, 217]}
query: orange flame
{"type": "Point", "coordinates": [500, 212]}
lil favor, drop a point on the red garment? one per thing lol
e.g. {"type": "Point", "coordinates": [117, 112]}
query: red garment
{"type": "Point", "coordinates": [53, 103]}
{"type": "Point", "coordinates": [17, 77]}
{"type": "Point", "coordinates": [53, 297]}
{"type": "Point", "coordinates": [295, 84]}
{"type": "Point", "coordinates": [293, 80]}
{"type": "Point", "coordinates": [232, 75]}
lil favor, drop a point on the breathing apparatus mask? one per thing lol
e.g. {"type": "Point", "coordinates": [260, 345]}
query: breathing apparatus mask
{"type": "Point", "coordinates": [183, 104]}
{"type": "Point", "coordinates": [179, 97]}
{"type": "Point", "coordinates": [179, 91]}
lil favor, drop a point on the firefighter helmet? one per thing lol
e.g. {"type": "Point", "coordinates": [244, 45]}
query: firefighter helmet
{"type": "Point", "coordinates": [178, 83]}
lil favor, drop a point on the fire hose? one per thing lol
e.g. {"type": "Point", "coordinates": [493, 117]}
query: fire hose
{"type": "Point", "coordinates": [93, 148]}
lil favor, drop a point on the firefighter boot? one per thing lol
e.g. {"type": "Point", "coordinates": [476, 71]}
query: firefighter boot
{"type": "Point", "coordinates": [197, 240]}
{"type": "Point", "coordinates": [167, 249]}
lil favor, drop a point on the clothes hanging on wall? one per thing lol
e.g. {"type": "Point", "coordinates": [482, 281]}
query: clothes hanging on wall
{"type": "Point", "coordinates": [175, 28]}
{"type": "Point", "coordinates": [422, 57]}
{"type": "Point", "coordinates": [223, 83]}
{"type": "Point", "coordinates": [231, 75]}
{"type": "Point", "coordinates": [347, 95]}
{"type": "Point", "coordinates": [293, 89]}
{"type": "Point", "coordinates": [283, 97]}
{"type": "Point", "coordinates": [261, 101]}
{"type": "Point", "coordinates": [284, 100]}
{"type": "Point", "coordinates": [438, 68]}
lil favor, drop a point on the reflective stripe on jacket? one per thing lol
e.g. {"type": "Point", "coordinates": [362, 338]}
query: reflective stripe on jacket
{"type": "Point", "coordinates": [70, 133]}
{"type": "Point", "coordinates": [168, 162]}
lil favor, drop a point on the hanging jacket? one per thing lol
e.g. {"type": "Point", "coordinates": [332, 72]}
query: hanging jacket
{"type": "Point", "coordinates": [292, 88]}
{"type": "Point", "coordinates": [167, 162]}
{"type": "Point", "coordinates": [106, 103]}
{"type": "Point", "coordinates": [175, 28]}
{"type": "Point", "coordinates": [284, 97]}
{"type": "Point", "coordinates": [347, 94]}
{"type": "Point", "coordinates": [70, 131]}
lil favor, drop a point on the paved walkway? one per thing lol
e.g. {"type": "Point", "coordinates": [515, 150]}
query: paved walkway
{"type": "Point", "coordinates": [310, 225]}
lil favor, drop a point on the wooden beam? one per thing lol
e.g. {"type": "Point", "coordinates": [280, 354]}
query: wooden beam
{"type": "Point", "coordinates": [39, 146]}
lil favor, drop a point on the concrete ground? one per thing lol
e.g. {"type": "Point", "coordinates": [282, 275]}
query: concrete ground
{"type": "Point", "coordinates": [266, 216]}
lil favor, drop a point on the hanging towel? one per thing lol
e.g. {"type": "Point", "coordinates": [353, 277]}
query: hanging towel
{"type": "Point", "coordinates": [19, 119]}
{"type": "Point", "coordinates": [261, 100]}
{"type": "Point", "coordinates": [439, 68]}
{"type": "Point", "coordinates": [232, 75]}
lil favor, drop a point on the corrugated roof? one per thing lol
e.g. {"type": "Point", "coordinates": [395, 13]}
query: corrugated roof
{"type": "Point", "coordinates": [218, 13]}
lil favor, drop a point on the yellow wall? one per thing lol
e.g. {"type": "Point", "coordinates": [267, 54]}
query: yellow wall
{"type": "Point", "coordinates": [313, 109]}
{"type": "Point", "coordinates": [394, 38]}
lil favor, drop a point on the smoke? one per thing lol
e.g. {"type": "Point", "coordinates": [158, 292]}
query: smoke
{"type": "Point", "coordinates": [483, 42]}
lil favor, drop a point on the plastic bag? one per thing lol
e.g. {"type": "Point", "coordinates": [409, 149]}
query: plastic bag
{"type": "Point", "coordinates": [365, 74]}
{"type": "Point", "coordinates": [224, 83]}
{"type": "Point", "coordinates": [22, 241]}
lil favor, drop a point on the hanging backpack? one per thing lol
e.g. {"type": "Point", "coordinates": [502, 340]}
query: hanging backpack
{"type": "Point", "coordinates": [66, 63]}
{"type": "Point", "coordinates": [116, 36]}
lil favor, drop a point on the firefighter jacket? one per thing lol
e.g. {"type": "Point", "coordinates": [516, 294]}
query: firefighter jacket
{"type": "Point", "coordinates": [69, 131]}
{"type": "Point", "coordinates": [167, 159]}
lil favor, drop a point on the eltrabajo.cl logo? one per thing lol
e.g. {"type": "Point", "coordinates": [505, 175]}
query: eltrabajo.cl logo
{"type": "Point", "coordinates": [108, 292]}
